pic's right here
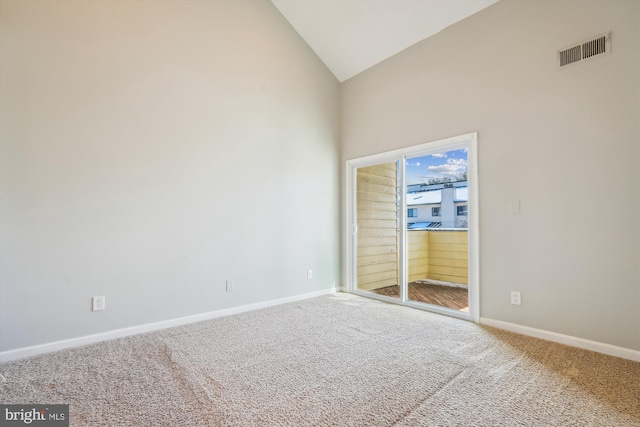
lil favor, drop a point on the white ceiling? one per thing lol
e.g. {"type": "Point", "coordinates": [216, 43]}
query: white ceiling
{"type": "Point", "coordinates": [350, 36]}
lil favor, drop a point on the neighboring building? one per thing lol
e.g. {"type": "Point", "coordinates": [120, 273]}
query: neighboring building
{"type": "Point", "coordinates": [437, 205]}
{"type": "Point", "coordinates": [419, 188]}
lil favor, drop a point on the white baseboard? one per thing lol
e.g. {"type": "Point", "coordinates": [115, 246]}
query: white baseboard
{"type": "Point", "coordinates": [35, 350]}
{"type": "Point", "coordinates": [611, 350]}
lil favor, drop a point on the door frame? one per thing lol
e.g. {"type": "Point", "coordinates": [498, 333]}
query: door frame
{"type": "Point", "coordinates": [469, 141]}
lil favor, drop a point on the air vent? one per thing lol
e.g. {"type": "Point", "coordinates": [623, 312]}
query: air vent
{"type": "Point", "coordinates": [584, 50]}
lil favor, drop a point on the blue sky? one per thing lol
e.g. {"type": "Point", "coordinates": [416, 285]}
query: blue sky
{"type": "Point", "coordinates": [450, 163]}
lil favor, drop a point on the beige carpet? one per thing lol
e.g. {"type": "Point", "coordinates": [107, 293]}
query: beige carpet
{"type": "Point", "coordinates": [338, 360]}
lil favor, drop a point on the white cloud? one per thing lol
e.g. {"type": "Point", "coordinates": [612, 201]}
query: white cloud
{"type": "Point", "coordinates": [452, 167]}
{"type": "Point", "coordinates": [439, 155]}
{"type": "Point", "coordinates": [457, 162]}
{"type": "Point", "coordinates": [413, 164]}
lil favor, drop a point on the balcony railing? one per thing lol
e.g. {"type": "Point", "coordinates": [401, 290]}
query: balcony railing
{"type": "Point", "coordinates": [441, 255]}
{"type": "Point", "coordinates": [433, 255]}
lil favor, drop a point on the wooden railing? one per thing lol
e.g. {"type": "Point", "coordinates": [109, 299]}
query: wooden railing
{"type": "Point", "coordinates": [438, 255]}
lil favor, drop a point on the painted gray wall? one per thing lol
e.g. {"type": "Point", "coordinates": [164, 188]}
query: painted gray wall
{"type": "Point", "coordinates": [557, 140]}
{"type": "Point", "coordinates": [152, 150]}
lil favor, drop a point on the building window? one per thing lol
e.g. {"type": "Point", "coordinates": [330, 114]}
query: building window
{"type": "Point", "coordinates": [461, 210]}
{"type": "Point", "coordinates": [435, 211]}
{"type": "Point", "coordinates": [413, 213]}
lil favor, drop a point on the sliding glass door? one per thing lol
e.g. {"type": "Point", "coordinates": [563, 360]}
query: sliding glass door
{"type": "Point", "coordinates": [437, 229]}
{"type": "Point", "coordinates": [410, 213]}
{"type": "Point", "coordinates": [378, 229]}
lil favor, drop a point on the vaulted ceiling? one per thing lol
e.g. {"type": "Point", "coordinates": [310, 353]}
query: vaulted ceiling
{"type": "Point", "coordinates": [350, 36]}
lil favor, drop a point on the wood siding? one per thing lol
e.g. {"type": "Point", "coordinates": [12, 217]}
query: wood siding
{"type": "Point", "coordinates": [418, 254]}
{"type": "Point", "coordinates": [377, 247]}
{"type": "Point", "coordinates": [438, 255]}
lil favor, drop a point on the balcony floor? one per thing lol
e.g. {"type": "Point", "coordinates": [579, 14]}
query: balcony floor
{"type": "Point", "coordinates": [443, 296]}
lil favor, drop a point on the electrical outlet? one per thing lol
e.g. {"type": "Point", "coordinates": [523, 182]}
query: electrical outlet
{"type": "Point", "coordinates": [99, 303]}
{"type": "Point", "coordinates": [309, 274]}
{"type": "Point", "coordinates": [230, 285]}
{"type": "Point", "coordinates": [515, 298]}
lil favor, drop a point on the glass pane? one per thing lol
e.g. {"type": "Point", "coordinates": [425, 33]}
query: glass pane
{"type": "Point", "coordinates": [377, 239]}
{"type": "Point", "coordinates": [437, 236]}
